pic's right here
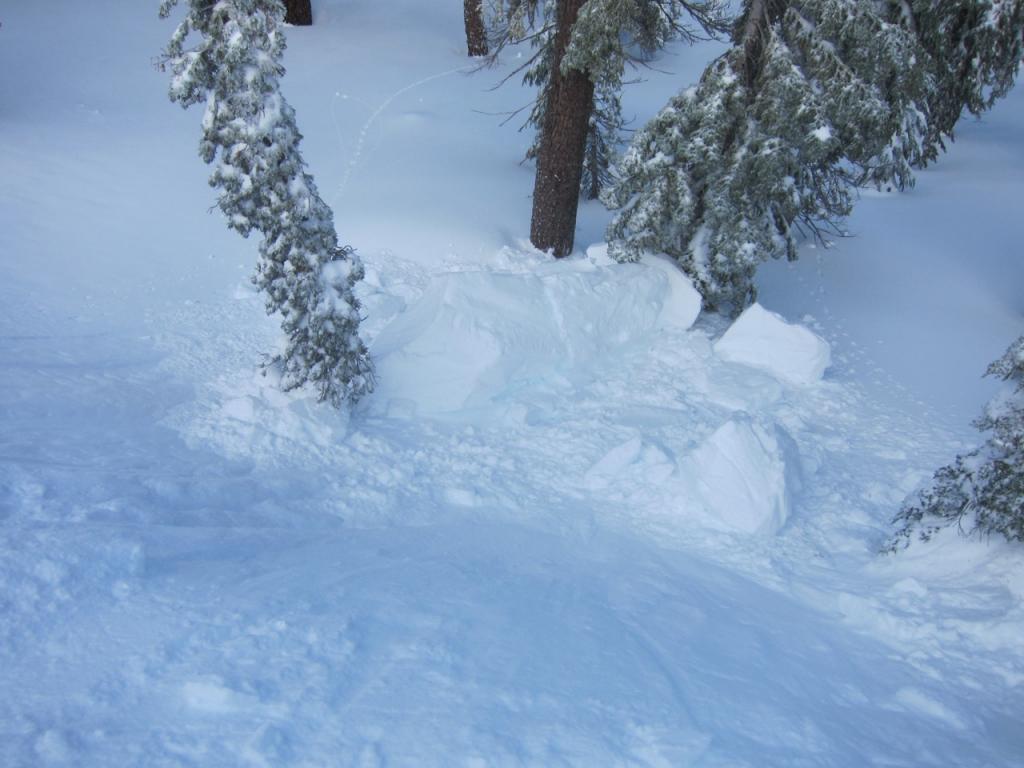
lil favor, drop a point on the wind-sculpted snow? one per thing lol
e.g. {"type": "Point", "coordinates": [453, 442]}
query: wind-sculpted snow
{"type": "Point", "coordinates": [567, 530]}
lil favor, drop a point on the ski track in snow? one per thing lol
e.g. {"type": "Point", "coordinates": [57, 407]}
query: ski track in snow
{"type": "Point", "coordinates": [510, 555]}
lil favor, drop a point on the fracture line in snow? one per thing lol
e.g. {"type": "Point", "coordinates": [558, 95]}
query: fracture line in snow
{"type": "Point", "coordinates": [361, 141]}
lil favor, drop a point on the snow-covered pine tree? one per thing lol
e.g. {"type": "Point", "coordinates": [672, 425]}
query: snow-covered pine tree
{"type": "Point", "coordinates": [974, 49]}
{"type": "Point", "coordinates": [603, 130]}
{"type": "Point", "coordinates": [648, 25]}
{"type": "Point", "coordinates": [608, 34]}
{"type": "Point", "coordinates": [591, 42]}
{"type": "Point", "coordinates": [982, 491]}
{"type": "Point", "coordinates": [227, 54]}
{"type": "Point", "coordinates": [813, 98]}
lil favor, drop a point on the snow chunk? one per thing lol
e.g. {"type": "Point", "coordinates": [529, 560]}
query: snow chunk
{"type": "Point", "coordinates": [741, 477]}
{"type": "Point", "coordinates": [764, 340]}
{"type": "Point", "coordinates": [598, 254]}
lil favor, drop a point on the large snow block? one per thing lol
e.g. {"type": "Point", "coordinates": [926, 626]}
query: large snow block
{"type": "Point", "coordinates": [741, 476]}
{"type": "Point", "coordinates": [476, 336]}
{"type": "Point", "coordinates": [764, 340]}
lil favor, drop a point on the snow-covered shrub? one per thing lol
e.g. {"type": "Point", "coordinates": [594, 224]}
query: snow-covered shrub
{"type": "Point", "coordinates": [227, 54]}
{"type": "Point", "coordinates": [982, 491]}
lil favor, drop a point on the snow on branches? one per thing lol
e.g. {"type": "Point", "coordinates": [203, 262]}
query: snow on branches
{"type": "Point", "coordinates": [973, 51]}
{"type": "Point", "coordinates": [813, 98]}
{"type": "Point", "coordinates": [227, 54]}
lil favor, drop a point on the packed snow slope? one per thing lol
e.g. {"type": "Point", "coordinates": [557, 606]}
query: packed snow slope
{"type": "Point", "coordinates": [576, 525]}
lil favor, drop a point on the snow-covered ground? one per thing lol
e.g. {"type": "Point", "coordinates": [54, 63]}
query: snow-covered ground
{"type": "Point", "coordinates": [572, 526]}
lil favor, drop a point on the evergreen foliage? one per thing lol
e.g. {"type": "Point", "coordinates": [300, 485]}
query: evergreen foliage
{"type": "Point", "coordinates": [973, 48]}
{"type": "Point", "coordinates": [607, 36]}
{"type": "Point", "coordinates": [982, 491]}
{"type": "Point", "coordinates": [814, 98]}
{"type": "Point", "coordinates": [582, 47]}
{"type": "Point", "coordinates": [608, 31]}
{"type": "Point", "coordinates": [603, 134]}
{"type": "Point", "coordinates": [227, 54]}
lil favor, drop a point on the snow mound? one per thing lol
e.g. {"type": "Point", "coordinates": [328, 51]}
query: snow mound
{"type": "Point", "coordinates": [742, 477]}
{"type": "Point", "coordinates": [476, 336]}
{"type": "Point", "coordinates": [764, 340]}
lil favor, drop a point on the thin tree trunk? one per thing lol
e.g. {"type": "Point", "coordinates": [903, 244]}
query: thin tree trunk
{"type": "Point", "coordinates": [556, 190]}
{"type": "Point", "coordinates": [476, 32]}
{"type": "Point", "coordinates": [298, 12]}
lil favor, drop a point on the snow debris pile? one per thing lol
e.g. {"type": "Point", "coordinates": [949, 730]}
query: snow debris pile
{"type": "Point", "coordinates": [477, 342]}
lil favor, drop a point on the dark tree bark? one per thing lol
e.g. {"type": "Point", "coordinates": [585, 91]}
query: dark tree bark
{"type": "Point", "coordinates": [563, 140]}
{"type": "Point", "coordinates": [298, 12]}
{"type": "Point", "coordinates": [476, 32]}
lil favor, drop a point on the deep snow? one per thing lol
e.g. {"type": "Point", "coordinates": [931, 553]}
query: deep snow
{"type": "Point", "coordinates": [576, 524]}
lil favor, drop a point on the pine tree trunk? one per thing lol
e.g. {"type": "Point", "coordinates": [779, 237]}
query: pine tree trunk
{"type": "Point", "coordinates": [556, 190]}
{"type": "Point", "coordinates": [476, 32]}
{"type": "Point", "coordinates": [298, 12]}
